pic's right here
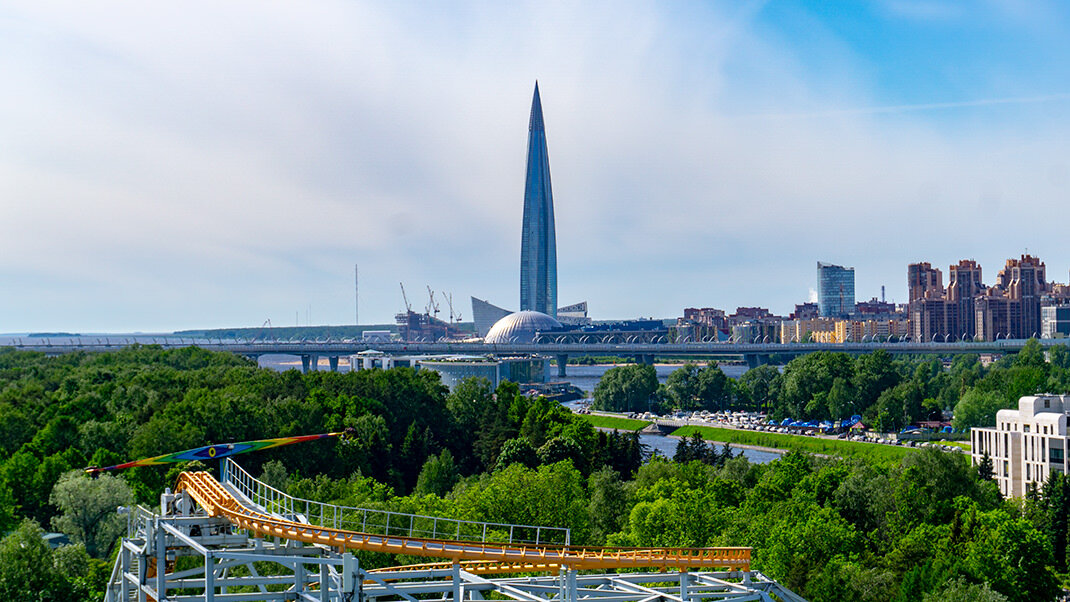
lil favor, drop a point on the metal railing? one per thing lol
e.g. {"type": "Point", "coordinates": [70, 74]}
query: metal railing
{"type": "Point", "coordinates": [385, 522]}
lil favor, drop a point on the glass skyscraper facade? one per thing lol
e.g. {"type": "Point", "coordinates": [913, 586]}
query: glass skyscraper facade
{"type": "Point", "coordinates": [538, 243]}
{"type": "Point", "coordinates": [835, 290]}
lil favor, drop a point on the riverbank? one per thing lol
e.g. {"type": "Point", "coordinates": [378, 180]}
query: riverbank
{"type": "Point", "coordinates": [773, 443]}
{"type": "Point", "coordinates": [747, 446]}
{"type": "Point", "coordinates": [614, 422]}
{"type": "Point", "coordinates": [804, 443]}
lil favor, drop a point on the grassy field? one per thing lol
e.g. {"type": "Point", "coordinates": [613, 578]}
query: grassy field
{"type": "Point", "coordinates": [612, 422]}
{"type": "Point", "coordinates": [814, 445]}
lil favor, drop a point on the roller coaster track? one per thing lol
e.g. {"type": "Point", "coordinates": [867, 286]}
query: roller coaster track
{"type": "Point", "coordinates": [483, 556]}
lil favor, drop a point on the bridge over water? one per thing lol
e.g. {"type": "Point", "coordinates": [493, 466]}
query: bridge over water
{"type": "Point", "coordinates": [310, 351]}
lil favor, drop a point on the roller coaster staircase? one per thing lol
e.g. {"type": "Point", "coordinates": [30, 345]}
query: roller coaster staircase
{"type": "Point", "coordinates": [238, 539]}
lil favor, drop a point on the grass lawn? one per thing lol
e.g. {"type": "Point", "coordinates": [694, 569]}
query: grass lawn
{"type": "Point", "coordinates": [612, 422]}
{"type": "Point", "coordinates": [815, 445]}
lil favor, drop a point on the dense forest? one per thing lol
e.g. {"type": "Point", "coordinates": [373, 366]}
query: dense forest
{"type": "Point", "coordinates": [888, 393]}
{"type": "Point", "coordinates": [927, 527]}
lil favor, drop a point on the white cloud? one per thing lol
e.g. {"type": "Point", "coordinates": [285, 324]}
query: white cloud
{"type": "Point", "coordinates": [221, 164]}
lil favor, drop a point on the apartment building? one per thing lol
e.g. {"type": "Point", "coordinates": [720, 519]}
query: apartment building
{"type": "Point", "coordinates": [1026, 445]}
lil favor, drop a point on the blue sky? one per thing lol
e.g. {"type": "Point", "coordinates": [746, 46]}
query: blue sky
{"type": "Point", "coordinates": [204, 165]}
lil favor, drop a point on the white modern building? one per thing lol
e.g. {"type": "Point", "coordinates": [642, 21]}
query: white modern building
{"type": "Point", "coordinates": [1027, 444]}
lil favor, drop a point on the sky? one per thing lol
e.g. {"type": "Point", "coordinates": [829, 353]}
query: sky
{"type": "Point", "coordinates": [170, 166]}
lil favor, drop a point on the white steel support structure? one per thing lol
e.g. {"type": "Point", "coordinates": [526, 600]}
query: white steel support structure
{"type": "Point", "coordinates": [184, 555]}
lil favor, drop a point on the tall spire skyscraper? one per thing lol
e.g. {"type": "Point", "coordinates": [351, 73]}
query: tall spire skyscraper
{"type": "Point", "coordinates": [538, 243]}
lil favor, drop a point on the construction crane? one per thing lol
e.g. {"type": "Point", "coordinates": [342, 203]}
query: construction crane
{"type": "Point", "coordinates": [454, 317]}
{"type": "Point", "coordinates": [264, 328]}
{"type": "Point", "coordinates": [408, 306]}
{"type": "Point", "coordinates": [432, 307]}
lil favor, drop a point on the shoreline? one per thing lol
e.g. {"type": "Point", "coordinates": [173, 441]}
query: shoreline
{"type": "Point", "coordinates": [761, 448]}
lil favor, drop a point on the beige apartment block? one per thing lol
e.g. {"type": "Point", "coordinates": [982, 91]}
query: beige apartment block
{"type": "Point", "coordinates": [1027, 444]}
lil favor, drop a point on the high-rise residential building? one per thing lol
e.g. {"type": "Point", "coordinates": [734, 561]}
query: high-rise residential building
{"type": "Point", "coordinates": [1026, 283]}
{"type": "Point", "coordinates": [922, 278]}
{"type": "Point", "coordinates": [805, 311]}
{"type": "Point", "coordinates": [997, 315]}
{"type": "Point", "coordinates": [926, 307]}
{"type": "Point", "coordinates": [538, 243]}
{"type": "Point", "coordinates": [963, 286]}
{"type": "Point", "coordinates": [835, 290]}
{"type": "Point", "coordinates": [928, 318]}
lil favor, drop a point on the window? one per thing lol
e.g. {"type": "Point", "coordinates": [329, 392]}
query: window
{"type": "Point", "coordinates": [1055, 455]}
{"type": "Point", "coordinates": [1025, 428]}
{"type": "Point", "coordinates": [1047, 403]}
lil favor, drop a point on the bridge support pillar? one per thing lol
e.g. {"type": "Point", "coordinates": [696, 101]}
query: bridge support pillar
{"type": "Point", "coordinates": [562, 361]}
{"type": "Point", "coordinates": [645, 359]}
{"type": "Point", "coordinates": [754, 360]}
{"type": "Point", "coordinates": [334, 363]}
{"type": "Point", "coordinates": [314, 363]}
{"type": "Point", "coordinates": [305, 361]}
{"type": "Point", "coordinates": [685, 581]}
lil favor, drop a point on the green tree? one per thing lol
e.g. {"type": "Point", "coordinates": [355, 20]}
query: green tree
{"type": "Point", "coordinates": [1059, 356]}
{"type": "Point", "coordinates": [977, 408]}
{"type": "Point", "coordinates": [801, 544]}
{"type": "Point", "coordinates": [690, 448]}
{"type": "Point", "coordinates": [960, 590]}
{"type": "Point", "coordinates": [674, 512]}
{"type": "Point", "coordinates": [928, 482]}
{"type": "Point", "coordinates": [438, 475]}
{"type": "Point", "coordinates": [561, 448]}
{"type": "Point", "coordinates": [626, 389]}
{"type": "Point", "coordinates": [841, 399]}
{"type": "Point", "coordinates": [806, 381]}
{"type": "Point", "coordinates": [715, 390]}
{"type": "Point", "coordinates": [608, 504]}
{"type": "Point", "coordinates": [1031, 355]}
{"type": "Point", "coordinates": [874, 373]}
{"type": "Point", "coordinates": [757, 387]}
{"type": "Point", "coordinates": [274, 474]}
{"type": "Point", "coordinates": [517, 450]}
{"type": "Point", "coordinates": [27, 570]}
{"type": "Point", "coordinates": [985, 470]}
{"type": "Point", "coordinates": [681, 388]}
{"type": "Point", "coordinates": [88, 510]}
{"type": "Point", "coordinates": [552, 495]}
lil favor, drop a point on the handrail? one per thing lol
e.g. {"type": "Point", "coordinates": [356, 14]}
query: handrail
{"type": "Point", "coordinates": [218, 501]}
{"type": "Point", "coordinates": [385, 522]}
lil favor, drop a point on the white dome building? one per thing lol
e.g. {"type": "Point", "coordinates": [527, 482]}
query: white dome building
{"type": "Point", "coordinates": [519, 327]}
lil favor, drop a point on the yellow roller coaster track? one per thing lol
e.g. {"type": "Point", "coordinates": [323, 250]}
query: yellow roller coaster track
{"type": "Point", "coordinates": [480, 557]}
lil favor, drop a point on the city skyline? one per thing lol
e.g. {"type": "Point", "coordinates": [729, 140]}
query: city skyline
{"type": "Point", "coordinates": [157, 180]}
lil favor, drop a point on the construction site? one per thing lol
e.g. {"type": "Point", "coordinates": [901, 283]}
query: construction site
{"type": "Point", "coordinates": [426, 327]}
